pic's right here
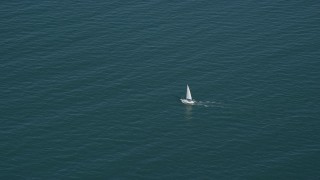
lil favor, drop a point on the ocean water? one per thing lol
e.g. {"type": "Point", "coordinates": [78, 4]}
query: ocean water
{"type": "Point", "coordinates": [90, 89]}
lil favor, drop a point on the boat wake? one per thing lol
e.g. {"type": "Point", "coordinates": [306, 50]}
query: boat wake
{"type": "Point", "coordinates": [208, 104]}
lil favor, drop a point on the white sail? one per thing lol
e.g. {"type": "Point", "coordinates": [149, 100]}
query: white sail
{"type": "Point", "coordinates": [188, 96]}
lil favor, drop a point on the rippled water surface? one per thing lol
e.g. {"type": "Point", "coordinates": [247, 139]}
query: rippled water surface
{"type": "Point", "coordinates": [90, 89]}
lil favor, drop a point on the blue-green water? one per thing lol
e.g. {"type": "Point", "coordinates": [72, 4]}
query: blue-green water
{"type": "Point", "coordinates": [90, 89]}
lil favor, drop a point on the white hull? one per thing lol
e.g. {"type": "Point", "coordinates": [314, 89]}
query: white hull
{"type": "Point", "coordinates": [185, 101]}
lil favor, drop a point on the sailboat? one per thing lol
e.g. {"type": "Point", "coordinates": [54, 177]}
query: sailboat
{"type": "Point", "coordinates": [188, 99]}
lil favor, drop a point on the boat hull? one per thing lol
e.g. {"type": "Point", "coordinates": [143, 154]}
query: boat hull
{"type": "Point", "coordinates": [189, 102]}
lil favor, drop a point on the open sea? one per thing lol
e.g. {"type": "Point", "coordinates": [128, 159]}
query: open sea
{"type": "Point", "coordinates": [91, 89]}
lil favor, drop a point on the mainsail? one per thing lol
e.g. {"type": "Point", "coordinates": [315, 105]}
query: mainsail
{"type": "Point", "coordinates": [188, 96]}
